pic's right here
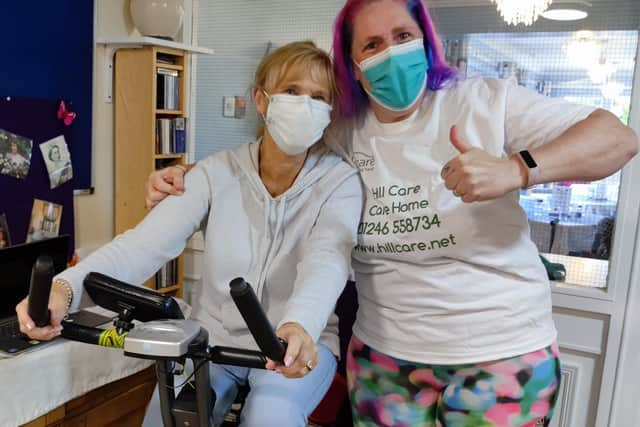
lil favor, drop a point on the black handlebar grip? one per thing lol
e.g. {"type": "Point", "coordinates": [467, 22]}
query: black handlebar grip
{"type": "Point", "coordinates": [262, 331]}
{"type": "Point", "coordinates": [39, 290]}
{"type": "Point", "coordinates": [76, 332]}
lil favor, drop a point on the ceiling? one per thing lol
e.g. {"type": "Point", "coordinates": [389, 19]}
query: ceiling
{"type": "Point", "coordinates": [541, 48]}
{"type": "Point", "coordinates": [545, 57]}
{"type": "Point", "coordinates": [482, 16]}
{"type": "Point", "coordinates": [467, 3]}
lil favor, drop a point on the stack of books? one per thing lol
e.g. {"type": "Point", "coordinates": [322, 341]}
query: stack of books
{"type": "Point", "coordinates": [165, 58]}
{"type": "Point", "coordinates": [171, 135]}
{"type": "Point", "coordinates": [168, 88]}
{"type": "Point", "coordinates": [168, 275]}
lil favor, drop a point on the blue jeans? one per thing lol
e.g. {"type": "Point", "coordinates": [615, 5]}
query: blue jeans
{"type": "Point", "coordinates": [274, 400]}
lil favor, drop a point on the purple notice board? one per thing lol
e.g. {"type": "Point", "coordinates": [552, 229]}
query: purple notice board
{"type": "Point", "coordinates": [37, 120]}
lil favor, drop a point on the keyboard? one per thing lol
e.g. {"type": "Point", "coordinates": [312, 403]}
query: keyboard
{"type": "Point", "coordinates": [10, 329]}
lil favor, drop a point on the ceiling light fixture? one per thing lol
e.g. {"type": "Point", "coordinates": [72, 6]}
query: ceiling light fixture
{"type": "Point", "coordinates": [611, 90]}
{"type": "Point", "coordinates": [572, 10]}
{"type": "Point", "coordinates": [583, 50]}
{"type": "Point", "coordinates": [525, 12]}
{"type": "Point", "coordinates": [601, 72]}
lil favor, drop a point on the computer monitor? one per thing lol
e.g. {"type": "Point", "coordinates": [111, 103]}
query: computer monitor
{"type": "Point", "coordinates": [143, 304]}
{"type": "Point", "coordinates": [16, 263]}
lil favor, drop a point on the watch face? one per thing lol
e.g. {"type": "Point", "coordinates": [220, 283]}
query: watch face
{"type": "Point", "coordinates": [528, 159]}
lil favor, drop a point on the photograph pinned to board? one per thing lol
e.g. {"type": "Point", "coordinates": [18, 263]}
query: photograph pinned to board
{"type": "Point", "coordinates": [15, 154]}
{"type": "Point", "coordinates": [5, 235]}
{"type": "Point", "coordinates": [45, 220]}
{"type": "Point", "coordinates": [58, 160]}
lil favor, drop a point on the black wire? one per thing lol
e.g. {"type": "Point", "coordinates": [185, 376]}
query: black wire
{"type": "Point", "coordinates": [185, 381]}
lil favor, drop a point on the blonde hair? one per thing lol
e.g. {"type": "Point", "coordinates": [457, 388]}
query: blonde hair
{"type": "Point", "coordinates": [314, 62]}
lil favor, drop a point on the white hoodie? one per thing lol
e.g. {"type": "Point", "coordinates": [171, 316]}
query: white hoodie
{"type": "Point", "coordinates": [293, 249]}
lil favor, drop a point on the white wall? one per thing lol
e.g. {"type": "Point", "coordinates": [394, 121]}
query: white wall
{"type": "Point", "coordinates": [239, 32]}
{"type": "Point", "coordinates": [94, 213]}
{"type": "Point", "coordinates": [625, 410]}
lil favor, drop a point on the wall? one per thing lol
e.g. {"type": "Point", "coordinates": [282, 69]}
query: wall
{"type": "Point", "coordinates": [239, 31]}
{"type": "Point", "coordinates": [94, 212]}
{"type": "Point", "coordinates": [626, 411]}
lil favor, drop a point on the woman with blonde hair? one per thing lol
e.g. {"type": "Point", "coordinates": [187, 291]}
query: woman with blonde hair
{"type": "Point", "coordinates": [282, 212]}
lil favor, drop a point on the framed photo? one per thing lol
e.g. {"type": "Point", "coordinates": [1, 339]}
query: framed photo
{"type": "Point", "coordinates": [5, 236]}
{"type": "Point", "coordinates": [15, 154]}
{"type": "Point", "coordinates": [45, 220]}
{"type": "Point", "coordinates": [58, 160]}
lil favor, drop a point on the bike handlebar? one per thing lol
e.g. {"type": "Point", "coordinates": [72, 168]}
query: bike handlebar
{"type": "Point", "coordinates": [253, 314]}
{"type": "Point", "coordinates": [86, 334]}
{"type": "Point", "coordinates": [39, 290]}
{"type": "Point", "coordinates": [245, 299]}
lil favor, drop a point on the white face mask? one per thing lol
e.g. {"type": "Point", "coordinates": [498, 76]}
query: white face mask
{"type": "Point", "coordinates": [296, 122]}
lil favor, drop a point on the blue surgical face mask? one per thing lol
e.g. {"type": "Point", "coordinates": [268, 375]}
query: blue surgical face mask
{"type": "Point", "coordinates": [397, 75]}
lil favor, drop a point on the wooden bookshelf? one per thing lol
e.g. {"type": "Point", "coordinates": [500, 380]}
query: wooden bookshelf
{"type": "Point", "coordinates": [170, 112]}
{"type": "Point", "coordinates": [170, 156]}
{"type": "Point", "coordinates": [168, 289]}
{"type": "Point", "coordinates": [169, 66]}
{"type": "Point", "coordinates": [135, 94]}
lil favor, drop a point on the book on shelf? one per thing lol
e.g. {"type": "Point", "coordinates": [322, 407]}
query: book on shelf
{"type": "Point", "coordinates": [168, 89]}
{"type": "Point", "coordinates": [167, 275]}
{"type": "Point", "coordinates": [180, 134]}
{"type": "Point", "coordinates": [171, 137]}
{"type": "Point", "coordinates": [163, 58]}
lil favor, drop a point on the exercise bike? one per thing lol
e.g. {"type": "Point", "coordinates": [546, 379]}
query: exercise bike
{"type": "Point", "coordinates": [164, 336]}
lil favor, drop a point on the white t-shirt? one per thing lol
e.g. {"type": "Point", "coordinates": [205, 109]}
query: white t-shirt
{"type": "Point", "coordinates": [440, 281]}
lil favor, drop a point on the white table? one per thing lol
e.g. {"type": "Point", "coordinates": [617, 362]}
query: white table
{"type": "Point", "coordinates": [582, 271]}
{"type": "Point", "coordinates": [39, 381]}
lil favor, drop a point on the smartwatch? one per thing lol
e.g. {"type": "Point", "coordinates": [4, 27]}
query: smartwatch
{"type": "Point", "coordinates": [532, 168]}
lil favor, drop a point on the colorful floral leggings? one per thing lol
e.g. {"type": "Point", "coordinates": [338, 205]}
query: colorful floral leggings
{"type": "Point", "coordinates": [385, 391]}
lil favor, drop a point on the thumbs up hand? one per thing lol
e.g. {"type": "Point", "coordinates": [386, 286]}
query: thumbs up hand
{"type": "Point", "coordinates": [458, 144]}
{"type": "Point", "coordinates": [475, 175]}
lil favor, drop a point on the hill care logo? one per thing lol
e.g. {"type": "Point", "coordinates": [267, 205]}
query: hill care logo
{"type": "Point", "coordinates": [364, 162]}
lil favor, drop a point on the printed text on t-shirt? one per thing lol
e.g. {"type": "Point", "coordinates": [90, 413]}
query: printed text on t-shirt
{"type": "Point", "coordinates": [402, 211]}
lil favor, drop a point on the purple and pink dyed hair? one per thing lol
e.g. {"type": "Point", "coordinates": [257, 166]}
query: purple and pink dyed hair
{"type": "Point", "coordinates": [353, 100]}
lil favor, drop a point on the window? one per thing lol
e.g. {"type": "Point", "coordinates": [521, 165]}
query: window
{"type": "Point", "coordinates": [571, 223]}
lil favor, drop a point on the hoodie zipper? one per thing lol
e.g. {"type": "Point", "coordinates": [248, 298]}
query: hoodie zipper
{"type": "Point", "coordinates": [273, 241]}
{"type": "Point", "coordinates": [253, 175]}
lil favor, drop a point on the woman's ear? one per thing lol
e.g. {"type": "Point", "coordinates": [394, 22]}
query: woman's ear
{"type": "Point", "coordinates": [360, 78]}
{"type": "Point", "coordinates": [261, 101]}
{"type": "Point", "coordinates": [356, 71]}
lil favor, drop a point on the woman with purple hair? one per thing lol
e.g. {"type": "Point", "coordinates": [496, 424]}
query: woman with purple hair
{"type": "Point", "coordinates": [454, 325]}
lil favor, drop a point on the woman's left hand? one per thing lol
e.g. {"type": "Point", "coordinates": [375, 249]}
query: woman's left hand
{"type": "Point", "coordinates": [476, 175]}
{"type": "Point", "coordinates": [302, 353]}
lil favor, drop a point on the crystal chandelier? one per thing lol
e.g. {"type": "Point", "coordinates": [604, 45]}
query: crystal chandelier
{"type": "Point", "coordinates": [525, 12]}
